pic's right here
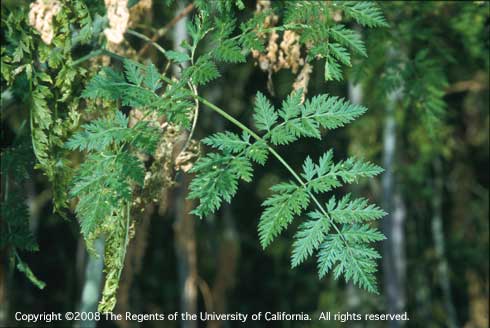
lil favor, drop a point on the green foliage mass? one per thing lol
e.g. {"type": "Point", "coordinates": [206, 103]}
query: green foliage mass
{"type": "Point", "coordinates": [106, 181]}
{"type": "Point", "coordinates": [15, 233]}
{"type": "Point", "coordinates": [218, 175]}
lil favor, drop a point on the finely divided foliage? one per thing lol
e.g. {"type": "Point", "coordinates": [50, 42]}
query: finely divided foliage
{"type": "Point", "coordinates": [339, 231]}
{"type": "Point", "coordinates": [338, 226]}
{"type": "Point", "coordinates": [112, 172]}
{"type": "Point", "coordinates": [328, 39]}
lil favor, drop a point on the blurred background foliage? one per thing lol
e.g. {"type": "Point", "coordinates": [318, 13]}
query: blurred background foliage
{"type": "Point", "coordinates": [429, 72]}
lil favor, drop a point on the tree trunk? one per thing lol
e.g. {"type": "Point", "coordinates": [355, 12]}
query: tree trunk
{"type": "Point", "coordinates": [353, 300]}
{"type": "Point", "coordinates": [226, 265]}
{"type": "Point", "coordinates": [185, 250]}
{"type": "Point", "coordinates": [393, 224]}
{"type": "Point", "coordinates": [185, 239]}
{"type": "Point", "coordinates": [93, 283]}
{"type": "Point", "coordinates": [438, 235]}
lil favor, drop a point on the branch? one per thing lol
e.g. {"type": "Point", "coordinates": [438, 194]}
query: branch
{"type": "Point", "coordinates": [463, 86]}
{"type": "Point", "coordinates": [161, 32]}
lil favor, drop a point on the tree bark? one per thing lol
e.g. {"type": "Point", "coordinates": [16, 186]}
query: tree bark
{"type": "Point", "coordinates": [353, 300]}
{"type": "Point", "coordinates": [226, 265]}
{"type": "Point", "coordinates": [93, 283]}
{"type": "Point", "coordinates": [185, 251]}
{"type": "Point", "coordinates": [394, 262]}
{"type": "Point", "coordinates": [438, 236]}
{"type": "Point", "coordinates": [185, 239]}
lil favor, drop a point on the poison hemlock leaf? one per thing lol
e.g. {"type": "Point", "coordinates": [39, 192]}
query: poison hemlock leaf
{"type": "Point", "coordinates": [202, 72]}
{"type": "Point", "coordinates": [366, 13]}
{"type": "Point", "coordinates": [103, 184]}
{"type": "Point", "coordinates": [288, 201]}
{"type": "Point", "coordinates": [338, 231]}
{"type": "Point", "coordinates": [330, 40]}
{"type": "Point", "coordinates": [356, 262]}
{"type": "Point", "coordinates": [303, 120]}
{"type": "Point", "coordinates": [137, 88]}
{"type": "Point", "coordinates": [100, 134]}
{"type": "Point", "coordinates": [176, 56]}
{"type": "Point", "coordinates": [227, 141]}
{"type": "Point", "coordinates": [340, 53]}
{"type": "Point", "coordinates": [356, 210]}
{"type": "Point", "coordinates": [15, 233]}
{"type": "Point", "coordinates": [348, 38]}
{"type": "Point", "coordinates": [220, 180]}
{"type": "Point", "coordinates": [228, 51]}
{"type": "Point", "coordinates": [310, 235]}
{"type": "Point", "coordinates": [265, 116]}
{"type": "Point", "coordinates": [106, 181]}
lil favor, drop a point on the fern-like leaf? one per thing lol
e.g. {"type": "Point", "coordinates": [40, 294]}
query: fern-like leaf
{"type": "Point", "coordinates": [310, 235]}
{"type": "Point", "coordinates": [101, 133]}
{"type": "Point", "coordinates": [355, 211]}
{"type": "Point", "coordinates": [217, 180]}
{"type": "Point", "coordinates": [288, 201]}
{"type": "Point", "coordinates": [228, 51]}
{"type": "Point", "coordinates": [366, 13]}
{"type": "Point", "coordinates": [227, 141]}
{"type": "Point", "coordinates": [102, 183]}
{"type": "Point", "coordinates": [203, 71]}
{"type": "Point", "coordinates": [355, 262]}
{"type": "Point", "coordinates": [348, 38]}
{"type": "Point", "coordinates": [361, 233]}
{"type": "Point", "coordinates": [137, 88]}
{"type": "Point", "coordinates": [305, 120]}
{"type": "Point", "coordinates": [264, 114]}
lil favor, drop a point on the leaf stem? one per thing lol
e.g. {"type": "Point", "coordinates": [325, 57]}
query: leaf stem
{"type": "Point", "coordinates": [147, 39]}
{"type": "Point", "coordinates": [96, 53]}
{"type": "Point", "coordinates": [273, 152]}
{"type": "Point", "coordinates": [256, 137]}
{"type": "Point", "coordinates": [282, 161]}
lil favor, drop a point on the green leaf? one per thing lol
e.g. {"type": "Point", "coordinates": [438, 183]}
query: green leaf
{"type": "Point", "coordinates": [356, 210]}
{"type": "Point", "coordinates": [203, 71]}
{"type": "Point", "coordinates": [340, 53]}
{"type": "Point", "coordinates": [355, 262]}
{"type": "Point", "coordinates": [40, 110]}
{"type": "Point", "coordinates": [258, 152]}
{"type": "Point", "coordinates": [309, 169]}
{"type": "Point", "coordinates": [133, 73]}
{"type": "Point", "coordinates": [228, 51]}
{"type": "Point", "coordinates": [309, 237]}
{"type": "Point", "coordinates": [101, 133]}
{"type": "Point", "coordinates": [102, 183]}
{"type": "Point", "coordinates": [264, 114]}
{"type": "Point", "coordinates": [352, 169]}
{"type": "Point", "coordinates": [152, 78]}
{"type": "Point", "coordinates": [321, 111]}
{"type": "Point", "coordinates": [348, 38]}
{"type": "Point", "coordinates": [332, 70]}
{"type": "Point", "coordinates": [216, 180]}
{"type": "Point", "coordinates": [105, 85]}
{"type": "Point", "coordinates": [175, 103]}
{"type": "Point", "coordinates": [287, 201]}
{"type": "Point", "coordinates": [24, 268]}
{"type": "Point", "coordinates": [226, 141]}
{"type": "Point", "coordinates": [329, 254]}
{"type": "Point", "coordinates": [366, 13]}
{"type": "Point", "coordinates": [358, 233]}
{"type": "Point", "coordinates": [177, 56]}
{"type": "Point", "coordinates": [291, 107]}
